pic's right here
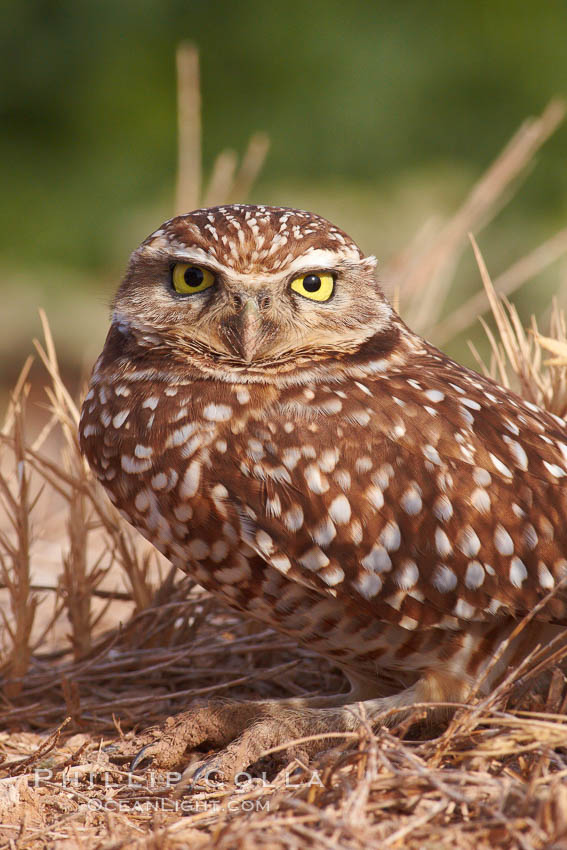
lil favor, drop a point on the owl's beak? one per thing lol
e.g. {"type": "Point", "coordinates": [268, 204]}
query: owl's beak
{"type": "Point", "coordinates": [249, 331]}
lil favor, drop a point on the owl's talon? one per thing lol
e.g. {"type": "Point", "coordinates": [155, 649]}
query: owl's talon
{"type": "Point", "coordinates": [195, 773]}
{"type": "Point", "coordinates": [139, 757]}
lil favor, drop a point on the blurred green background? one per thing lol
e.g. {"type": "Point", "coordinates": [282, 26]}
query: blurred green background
{"type": "Point", "coordinates": [381, 116]}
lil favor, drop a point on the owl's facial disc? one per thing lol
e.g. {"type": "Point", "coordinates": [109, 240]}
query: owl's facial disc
{"type": "Point", "coordinates": [251, 288]}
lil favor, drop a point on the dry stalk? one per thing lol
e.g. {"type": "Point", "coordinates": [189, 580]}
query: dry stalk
{"type": "Point", "coordinates": [505, 284]}
{"type": "Point", "coordinates": [517, 354]}
{"type": "Point", "coordinates": [15, 554]}
{"type": "Point", "coordinates": [432, 267]}
{"type": "Point", "coordinates": [188, 129]}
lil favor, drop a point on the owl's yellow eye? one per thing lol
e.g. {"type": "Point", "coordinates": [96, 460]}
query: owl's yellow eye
{"type": "Point", "coordinates": [317, 287]}
{"type": "Point", "coordinates": [188, 278]}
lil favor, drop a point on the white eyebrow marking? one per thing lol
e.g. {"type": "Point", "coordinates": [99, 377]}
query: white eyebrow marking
{"type": "Point", "coordinates": [311, 259]}
{"type": "Point", "coordinates": [322, 258]}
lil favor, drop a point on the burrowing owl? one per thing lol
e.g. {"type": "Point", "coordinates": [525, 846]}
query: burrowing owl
{"type": "Point", "coordinates": [263, 416]}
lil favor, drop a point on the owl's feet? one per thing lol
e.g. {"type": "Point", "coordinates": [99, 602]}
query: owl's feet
{"type": "Point", "coordinates": [242, 731]}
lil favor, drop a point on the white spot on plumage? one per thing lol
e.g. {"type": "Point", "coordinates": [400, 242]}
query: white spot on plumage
{"type": "Point", "coordinates": [183, 512]}
{"type": "Point", "coordinates": [517, 451]}
{"type": "Point", "coordinates": [554, 470]}
{"type": "Point", "coordinates": [431, 453]}
{"type": "Point", "coordinates": [518, 572]}
{"type": "Point", "coordinates": [442, 543]}
{"type": "Point", "coordinates": [142, 501]}
{"type": "Point", "coordinates": [411, 500]}
{"type": "Point", "coordinates": [293, 518]}
{"type": "Point", "coordinates": [407, 574]}
{"type": "Point", "coordinates": [360, 416]}
{"type": "Point", "coordinates": [255, 449]}
{"type": "Point", "coordinates": [273, 506]}
{"type": "Point", "coordinates": [264, 541]}
{"type": "Point", "coordinates": [500, 466]}
{"type": "Point", "coordinates": [234, 575]}
{"type": "Point", "coordinates": [180, 436]}
{"type": "Point", "coordinates": [314, 559]}
{"type": "Point", "coordinates": [219, 492]}
{"type": "Point", "coordinates": [281, 563]}
{"type": "Point", "coordinates": [356, 534]}
{"type": "Point", "coordinates": [343, 479]}
{"type": "Point", "coordinates": [316, 482]}
{"type": "Point", "coordinates": [291, 457]}
{"type": "Point", "coordinates": [530, 536]}
{"type": "Point", "coordinates": [331, 405]}
{"type": "Point", "coordinates": [219, 551]}
{"type": "Point", "coordinates": [481, 476]}
{"type": "Point", "coordinates": [398, 431]}
{"type": "Point", "coordinates": [442, 508]}
{"type": "Point", "coordinates": [333, 575]}
{"type": "Point", "coordinates": [546, 580]}
{"type": "Point", "coordinates": [120, 418]}
{"type": "Point", "coordinates": [190, 481]}
{"type": "Point", "coordinates": [159, 481]}
{"type": "Point", "coordinates": [391, 537]}
{"type": "Point", "coordinates": [340, 510]}
{"type": "Point", "coordinates": [324, 532]}
{"type": "Point", "coordinates": [464, 610]}
{"type": "Point", "coordinates": [469, 402]}
{"type": "Point", "coordinates": [198, 549]}
{"type": "Point", "coordinates": [468, 542]}
{"type": "Point", "coordinates": [135, 465]}
{"type": "Point", "coordinates": [444, 579]}
{"type": "Point", "coordinates": [502, 540]}
{"type": "Point", "coordinates": [382, 476]}
{"type": "Point", "coordinates": [511, 426]}
{"type": "Point", "coordinates": [217, 412]}
{"type": "Point", "coordinates": [368, 585]}
{"type": "Point", "coordinates": [363, 387]}
{"type": "Point", "coordinates": [434, 395]}
{"type": "Point", "coordinates": [480, 500]}
{"type": "Point", "coordinates": [409, 623]}
{"type": "Point", "coordinates": [474, 575]}
{"type": "Point", "coordinates": [494, 606]}
{"type": "Point", "coordinates": [143, 451]}
{"type": "Point", "coordinates": [328, 460]}
{"type": "Point", "coordinates": [363, 464]}
{"type": "Point", "coordinates": [377, 560]}
{"type": "Point", "coordinates": [375, 496]}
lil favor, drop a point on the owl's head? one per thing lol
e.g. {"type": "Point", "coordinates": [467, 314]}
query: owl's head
{"type": "Point", "coordinates": [250, 287]}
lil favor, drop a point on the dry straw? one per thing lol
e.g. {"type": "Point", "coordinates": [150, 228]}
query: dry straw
{"type": "Point", "coordinates": [121, 640]}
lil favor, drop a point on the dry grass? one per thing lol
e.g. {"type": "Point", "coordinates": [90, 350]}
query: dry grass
{"type": "Point", "coordinates": [112, 639]}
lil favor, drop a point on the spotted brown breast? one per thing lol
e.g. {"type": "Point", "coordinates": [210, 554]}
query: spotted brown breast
{"type": "Point", "coordinates": [379, 517]}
